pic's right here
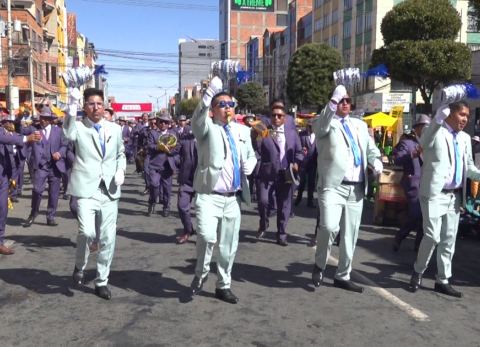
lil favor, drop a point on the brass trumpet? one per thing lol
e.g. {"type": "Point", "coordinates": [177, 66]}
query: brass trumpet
{"type": "Point", "coordinates": [260, 128]}
{"type": "Point", "coordinates": [166, 142]}
{"type": "Point", "coordinates": [11, 187]}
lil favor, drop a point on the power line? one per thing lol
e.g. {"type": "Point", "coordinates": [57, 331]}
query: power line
{"type": "Point", "coordinates": [155, 3]}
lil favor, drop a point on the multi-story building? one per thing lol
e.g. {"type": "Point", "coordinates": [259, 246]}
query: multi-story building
{"type": "Point", "coordinates": [239, 22]}
{"type": "Point", "coordinates": [195, 58]}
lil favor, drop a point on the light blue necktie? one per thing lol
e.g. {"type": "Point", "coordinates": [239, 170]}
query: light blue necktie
{"type": "Point", "coordinates": [233, 149]}
{"type": "Point", "coordinates": [97, 127]}
{"type": "Point", "coordinates": [457, 178]}
{"type": "Point", "coordinates": [353, 144]}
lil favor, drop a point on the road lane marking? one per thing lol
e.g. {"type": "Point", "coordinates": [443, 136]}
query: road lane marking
{"type": "Point", "coordinates": [411, 311]}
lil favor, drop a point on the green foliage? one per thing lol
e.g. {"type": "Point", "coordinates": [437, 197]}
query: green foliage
{"type": "Point", "coordinates": [187, 106]}
{"type": "Point", "coordinates": [425, 64]}
{"type": "Point", "coordinates": [475, 6]}
{"type": "Point", "coordinates": [250, 97]}
{"type": "Point", "coordinates": [310, 74]}
{"type": "Point", "coordinates": [421, 20]}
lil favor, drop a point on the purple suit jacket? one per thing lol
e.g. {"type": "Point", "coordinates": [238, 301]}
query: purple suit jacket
{"type": "Point", "coordinates": [7, 141]}
{"type": "Point", "coordinates": [188, 157]}
{"type": "Point", "coordinates": [310, 158]}
{"type": "Point", "coordinates": [157, 159]}
{"type": "Point", "coordinates": [42, 151]}
{"type": "Point", "coordinates": [412, 167]}
{"type": "Point", "coordinates": [270, 154]}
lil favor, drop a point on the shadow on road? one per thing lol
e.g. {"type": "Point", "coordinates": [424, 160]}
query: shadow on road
{"type": "Point", "coordinates": [42, 241]}
{"type": "Point", "coordinates": [146, 236]}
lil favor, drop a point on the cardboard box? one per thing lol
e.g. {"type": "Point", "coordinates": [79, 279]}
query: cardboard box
{"type": "Point", "coordinates": [391, 176]}
{"type": "Point", "coordinates": [391, 192]}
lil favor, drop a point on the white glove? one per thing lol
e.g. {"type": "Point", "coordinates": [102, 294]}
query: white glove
{"type": "Point", "coordinates": [119, 177]}
{"type": "Point", "coordinates": [214, 88]}
{"type": "Point", "coordinates": [442, 112]}
{"type": "Point", "coordinates": [74, 97]}
{"type": "Point", "coordinates": [339, 93]}
{"type": "Point", "coordinates": [377, 166]}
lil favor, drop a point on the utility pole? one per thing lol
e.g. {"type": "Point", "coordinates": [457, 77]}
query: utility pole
{"type": "Point", "coordinates": [30, 68]}
{"type": "Point", "coordinates": [10, 57]}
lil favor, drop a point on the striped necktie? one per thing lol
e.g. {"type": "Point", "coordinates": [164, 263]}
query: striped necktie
{"type": "Point", "coordinates": [236, 165]}
{"type": "Point", "coordinates": [353, 144]}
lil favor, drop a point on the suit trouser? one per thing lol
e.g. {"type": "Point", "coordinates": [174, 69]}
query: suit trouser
{"type": "Point", "coordinates": [4, 182]}
{"type": "Point", "coordinates": [217, 216]}
{"type": "Point", "coordinates": [340, 210]}
{"type": "Point", "coordinates": [412, 223]}
{"type": "Point", "coordinates": [184, 204]}
{"type": "Point", "coordinates": [307, 178]}
{"type": "Point", "coordinates": [161, 186]}
{"type": "Point", "coordinates": [284, 192]}
{"type": "Point", "coordinates": [17, 175]}
{"type": "Point", "coordinates": [40, 178]}
{"type": "Point", "coordinates": [440, 225]}
{"type": "Point", "coordinates": [97, 211]}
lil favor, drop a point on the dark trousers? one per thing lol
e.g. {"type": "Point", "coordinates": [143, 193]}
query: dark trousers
{"type": "Point", "coordinates": [146, 172]}
{"type": "Point", "coordinates": [184, 204]}
{"type": "Point", "coordinates": [308, 179]}
{"type": "Point", "coordinates": [40, 178]}
{"type": "Point", "coordinates": [160, 186]}
{"type": "Point", "coordinates": [283, 193]}
{"type": "Point", "coordinates": [18, 177]}
{"type": "Point", "coordinates": [4, 181]}
{"type": "Point", "coordinates": [412, 223]}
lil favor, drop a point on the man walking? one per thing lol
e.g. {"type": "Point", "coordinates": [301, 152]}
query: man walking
{"type": "Point", "coordinates": [344, 149]}
{"type": "Point", "coordinates": [225, 158]}
{"type": "Point", "coordinates": [447, 163]}
{"type": "Point", "coordinates": [97, 174]}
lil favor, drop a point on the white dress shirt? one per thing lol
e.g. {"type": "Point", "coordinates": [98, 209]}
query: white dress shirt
{"type": "Point", "coordinates": [225, 180]}
{"type": "Point", "coordinates": [280, 137]}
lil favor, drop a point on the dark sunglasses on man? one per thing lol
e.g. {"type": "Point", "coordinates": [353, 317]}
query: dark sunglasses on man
{"type": "Point", "coordinates": [345, 101]}
{"type": "Point", "coordinates": [223, 104]}
{"type": "Point", "coordinates": [277, 115]}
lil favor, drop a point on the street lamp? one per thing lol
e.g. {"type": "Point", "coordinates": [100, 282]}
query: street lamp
{"type": "Point", "coordinates": [156, 101]}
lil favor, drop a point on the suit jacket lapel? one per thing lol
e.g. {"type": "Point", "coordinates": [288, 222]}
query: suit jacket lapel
{"type": "Point", "coordinates": [94, 135]}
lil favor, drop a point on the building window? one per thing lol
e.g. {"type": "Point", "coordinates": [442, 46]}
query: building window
{"type": "Point", "coordinates": [326, 20]}
{"type": "Point", "coordinates": [53, 75]}
{"type": "Point", "coordinates": [347, 4]}
{"type": "Point", "coordinates": [368, 21]}
{"type": "Point", "coordinates": [347, 29]}
{"type": "Point", "coordinates": [282, 5]}
{"type": "Point", "coordinates": [346, 57]}
{"type": "Point", "coordinates": [318, 25]}
{"type": "Point", "coordinates": [334, 41]}
{"type": "Point", "coordinates": [359, 24]}
{"type": "Point", "coordinates": [38, 16]}
{"type": "Point", "coordinates": [202, 46]}
{"type": "Point", "coordinates": [334, 16]}
{"type": "Point", "coordinates": [282, 20]}
{"type": "Point", "coordinates": [318, 3]}
{"type": "Point", "coordinates": [201, 54]}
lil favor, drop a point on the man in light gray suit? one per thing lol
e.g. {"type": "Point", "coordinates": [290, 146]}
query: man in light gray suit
{"type": "Point", "coordinates": [97, 174]}
{"type": "Point", "coordinates": [344, 149]}
{"type": "Point", "coordinates": [447, 163]}
{"type": "Point", "coordinates": [225, 159]}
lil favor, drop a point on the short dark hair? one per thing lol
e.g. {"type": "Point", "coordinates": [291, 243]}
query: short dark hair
{"type": "Point", "coordinates": [92, 91]}
{"type": "Point", "coordinates": [109, 110]}
{"type": "Point", "coordinates": [277, 101]}
{"type": "Point", "coordinates": [216, 96]}
{"type": "Point", "coordinates": [458, 105]}
{"type": "Point", "coordinates": [277, 107]}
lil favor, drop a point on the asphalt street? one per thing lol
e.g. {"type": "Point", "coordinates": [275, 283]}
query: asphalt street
{"type": "Point", "coordinates": [278, 305]}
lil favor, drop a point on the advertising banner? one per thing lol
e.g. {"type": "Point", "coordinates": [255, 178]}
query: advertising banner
{"type": "Point", "coordinates": [252, 5]}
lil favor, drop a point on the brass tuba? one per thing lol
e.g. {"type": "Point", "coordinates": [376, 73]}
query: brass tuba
{"type": "Point", "coordinates": [166, 142]}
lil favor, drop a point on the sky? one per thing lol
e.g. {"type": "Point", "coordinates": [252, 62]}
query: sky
{"type": "Point", "coordinates": [139, 27]}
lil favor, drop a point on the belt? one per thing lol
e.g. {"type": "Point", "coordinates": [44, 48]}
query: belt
{"type": "Point", "coordinates": [454, 190]}
{"type": "Point", "coordinates": [349, 183]}
{"type": "Point", "coordinates": [229, 194]}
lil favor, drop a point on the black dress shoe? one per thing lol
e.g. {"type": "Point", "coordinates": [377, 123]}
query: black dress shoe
{"type": "Point", "coordinates": [166, 212]}
{"type": "Point", "coordinates": [226, 295]}
{"type": "Point", "coordinates": [260, 234]}
{"type": "Point", "coordinates": [415, 281]}
{"type": "Point", "coordinates": [103, 292]}
{"type": "Point", "coordinates": [14, 199]}
{"type": "Point", "coordinates": [347, 285]}
{"type": "Point", "coordinates": [282, 242]}
{"type": "Point", "coordinates": [447, 289]}
{"type": "Point", "coordinates": [77, 277]}
{"type": "Point", "coordinates": [151, 209]}
{"type": "Point", "coordinates": [51, 222]}
{"type": "Point", "coordinates": [197, 284]}
{"type": "Point", "coordinates": [317, 276]}
{"type": "Point", "coordinates": [30, 220]}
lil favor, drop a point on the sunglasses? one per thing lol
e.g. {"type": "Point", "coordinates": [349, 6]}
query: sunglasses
{"type": "Point", "coordinates": [163, 122]}
{"type": "Point", "coordinates": [277, 115]}
{"type": "Point", "coordinates": [345, 100]}
{"type": "Point", "coordinates": [223, 104]}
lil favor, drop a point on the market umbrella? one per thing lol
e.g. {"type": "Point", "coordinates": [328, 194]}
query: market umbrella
{"type": "Point", "coordinates": [380, 119]}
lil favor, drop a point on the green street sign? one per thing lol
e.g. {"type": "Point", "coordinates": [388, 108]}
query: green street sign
{"type": "Point", "coordinates": [252, 5]}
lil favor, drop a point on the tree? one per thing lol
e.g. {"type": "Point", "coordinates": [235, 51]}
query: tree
{"type": "Point", "coordinates": [419, 45]}
{"type": "Point", "coordinates": [310, 74]}
{"type": "Point", "coordinates": [250, 97]}
{"type": "Point", "coordinates": [187, 106]}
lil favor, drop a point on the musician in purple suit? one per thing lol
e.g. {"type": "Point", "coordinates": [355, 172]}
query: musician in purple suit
{"type": "Point", "coordinates": [277, 151]}
{"type": "Point", "coordinates": [8, 139]}
{"type": "Point", "coordinates": [186, 169]}
{"type": "Point", "coordinates": [127, 142]}
{"type": "Point", "coordinates": [407, 153]}
{"type": "Point", "coordinates": [161, 164]}
{"type": "Point", "coordinates": [48, 159]}
{"type": "Point", "coordinates": [308, 169]}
